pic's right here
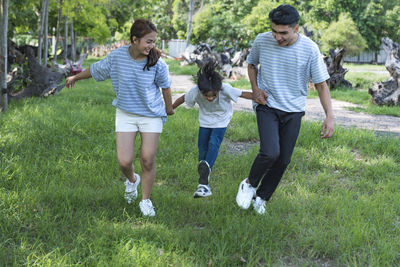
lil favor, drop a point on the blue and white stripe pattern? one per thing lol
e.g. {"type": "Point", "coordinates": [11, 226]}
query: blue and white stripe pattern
{"type": "Point", "coordinates": [137, 90]}
{"type": "Point", "coordinates": [284, 70]}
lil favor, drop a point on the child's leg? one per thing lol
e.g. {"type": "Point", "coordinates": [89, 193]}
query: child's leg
{"type": "Point", "coordinates": [125, 153]}
{"type": "Point", "coordinates": [148, 153]}
{"type": "Point", "coordinates": [214, 143]}
{"type": "Point", "coordinates": [204, 138]}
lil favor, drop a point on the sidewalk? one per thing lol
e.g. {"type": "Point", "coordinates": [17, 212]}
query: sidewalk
{"type": "Point", "coordinates": [314, 111]}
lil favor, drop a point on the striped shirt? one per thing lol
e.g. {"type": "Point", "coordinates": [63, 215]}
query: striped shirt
{"type": "Point", "coordinates": [284, 70]}
{"type": "Point", "coordinates": [137, 91]}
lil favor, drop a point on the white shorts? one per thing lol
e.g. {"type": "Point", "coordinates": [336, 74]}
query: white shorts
{"type": "Point", "coordinates": [129, 122]}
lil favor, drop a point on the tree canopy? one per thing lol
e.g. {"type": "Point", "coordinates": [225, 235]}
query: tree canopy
{"type": "Point", "coordinates": [222, 23]}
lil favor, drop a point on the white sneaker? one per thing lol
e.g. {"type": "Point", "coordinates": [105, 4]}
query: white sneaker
{"type": "Point", "coordinates": [131, 189]}
{"type": "Point", "coordinates": [259, 205]}
{"type": "Point", "coordinates": [147, 208]}
{"type": "Point", "coordinates": [202, 191]}
{"type": "Point", "coordinates": [245, 194]}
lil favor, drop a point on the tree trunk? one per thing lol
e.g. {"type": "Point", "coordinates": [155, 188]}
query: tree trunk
{"type": "Point", "coordinates": [46, 34]}
{"type": "Point", "coordinates": [335, 69]}
{"type": "Point", "coordinates": [40, 40]}
{"type": "Point", "coordinates": [3, 55]}
{"type": "Point", "coordinates": [388, 93]}
{"type": "Point", "coordinates": [66, 39]}
{"type": "Point", "coordinates": [44, 81]}
{"type": "Point", "coordinates": [190, 23]}
{"type": "Point", "coordinates": [58, 29]}
{"type": "Point", "coordinates": [73, 50]}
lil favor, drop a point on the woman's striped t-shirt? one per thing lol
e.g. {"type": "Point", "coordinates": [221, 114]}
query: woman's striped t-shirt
{"type": "Point", "coordinates": [137, 90]}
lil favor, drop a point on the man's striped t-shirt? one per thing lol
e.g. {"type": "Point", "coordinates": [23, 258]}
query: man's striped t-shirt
{"type": "Point", "coordinates": [284, 70]}
{"type": "Point", "coordinates": [137, 90]}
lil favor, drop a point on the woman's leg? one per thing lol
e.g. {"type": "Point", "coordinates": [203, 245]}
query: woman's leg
{"type": "Point", "coordinates": [148, 153]}
{"type": "Point", "coordinates": [126, 153]}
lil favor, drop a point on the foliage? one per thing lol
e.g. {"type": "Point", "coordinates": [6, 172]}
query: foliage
{"type": "Point", "coordinates": [180, 17]}
{"type": "Point", "coordinates": [343, 34]}
{"type": "Point", "coordinates": [257, 21]}
{"type": "Point", "coordinates": [392, 23]}
{"type": "Point", "coordinates": [223, 23]}
{"type": "Point", "coordinates": [22, 17]}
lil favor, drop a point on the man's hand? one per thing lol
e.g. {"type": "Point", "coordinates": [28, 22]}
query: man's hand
{"type": "Point", "coordinates": [260, 96]}
{"type": "Point", "coordinates": [327, 128]}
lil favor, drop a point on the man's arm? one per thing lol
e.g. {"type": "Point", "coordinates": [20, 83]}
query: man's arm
{"type": "Point", "coordinates": [325, 98]}
{"type": "Point", "coordinates": [260, 96]}
{"type": "Point", "coordinates": [168, 100]}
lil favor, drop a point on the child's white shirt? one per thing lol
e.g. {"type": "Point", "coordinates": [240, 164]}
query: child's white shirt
{"type": "Point", "coordinates": [215, 114]}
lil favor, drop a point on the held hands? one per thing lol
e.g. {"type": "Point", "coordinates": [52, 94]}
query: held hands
{"type": "Point", "coordinates": [327, 128]}
{"type": "Point", "coordinates": [169, 110]}
{"type": "Point", "coordinates": [260, 96]}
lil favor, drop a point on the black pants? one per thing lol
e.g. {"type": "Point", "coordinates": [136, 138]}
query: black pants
{"type": "Point", "coordinates": [278, 132]}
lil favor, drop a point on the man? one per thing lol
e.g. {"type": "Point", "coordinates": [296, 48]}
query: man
{"type": "Point", "coordinates": [287, 60]}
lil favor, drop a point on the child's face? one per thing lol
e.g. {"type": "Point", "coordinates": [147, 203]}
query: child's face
{"type": "Point", "coordinates": [210, 95]}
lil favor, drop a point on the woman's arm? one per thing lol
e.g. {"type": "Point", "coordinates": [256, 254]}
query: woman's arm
{"type": "Point", "coordinates": [168, 100]}
{"type": "Point", "coordinates": [70, 81]}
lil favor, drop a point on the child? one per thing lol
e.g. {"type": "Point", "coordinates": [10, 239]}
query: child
{"type": "Point", "coordinates": [215, 112]}
{"type": "Point", "coordinates": [137, 73]}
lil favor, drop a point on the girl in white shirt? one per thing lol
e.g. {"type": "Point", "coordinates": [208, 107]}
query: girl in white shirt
{"type": "Point", "coordinates": [215, 112]}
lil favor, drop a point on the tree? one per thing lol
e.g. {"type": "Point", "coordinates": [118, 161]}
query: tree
{"type": "Point", "coordinates": [257, 21]}
{"type": "Point", "coordinates": [392, 22]}
{"type": "Point", "coordinates": [190, 23]}
{"type": "Point", "coordinates": [343, 34]}
{"type": "Point", "coordinates": [3, 55]}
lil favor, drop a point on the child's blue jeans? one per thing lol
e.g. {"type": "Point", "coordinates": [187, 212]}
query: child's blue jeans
{"type": "Point", "coordinates": [210, 140]}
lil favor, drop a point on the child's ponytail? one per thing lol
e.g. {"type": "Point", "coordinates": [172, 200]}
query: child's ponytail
{"type": "Point", "coordinates": [208, 79]}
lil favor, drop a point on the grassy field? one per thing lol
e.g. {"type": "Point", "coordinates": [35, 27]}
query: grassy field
{"type": "Point", "coordinates": [61, 194]}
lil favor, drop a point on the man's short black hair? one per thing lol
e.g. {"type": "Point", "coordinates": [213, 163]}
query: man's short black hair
{"type": "Point", "coordinates": [284, 15]}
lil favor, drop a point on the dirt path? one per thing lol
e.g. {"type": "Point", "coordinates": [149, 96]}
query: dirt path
{"type": "Point", "coordinates": [314, 111]}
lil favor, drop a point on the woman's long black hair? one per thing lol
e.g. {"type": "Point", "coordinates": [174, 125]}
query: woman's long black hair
{"type": "Point", "coordinates": [140, 28]}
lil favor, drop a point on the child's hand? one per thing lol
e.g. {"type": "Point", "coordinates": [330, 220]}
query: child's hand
{"type": "Point", "coordinates": [70, 82]}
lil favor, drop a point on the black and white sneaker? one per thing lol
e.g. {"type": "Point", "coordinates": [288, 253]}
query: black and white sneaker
{"type": "Point", "coordinates": [204, 172]}
{"type": "Point", "coordinates": [202, 191]}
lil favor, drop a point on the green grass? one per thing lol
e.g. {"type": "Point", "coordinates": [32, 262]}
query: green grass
{"type": "Point", "coordinates": [61, 194]}
{"type": "Point", "coordinates": [362, 67]}
{"type": "Point", "coordinates": [176, 68]}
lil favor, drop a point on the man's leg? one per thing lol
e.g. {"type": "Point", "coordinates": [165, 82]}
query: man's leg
{"type": "Point", "coordinates": [289, 128]}
{"type": "Point", "coordinates": [268, 129]}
